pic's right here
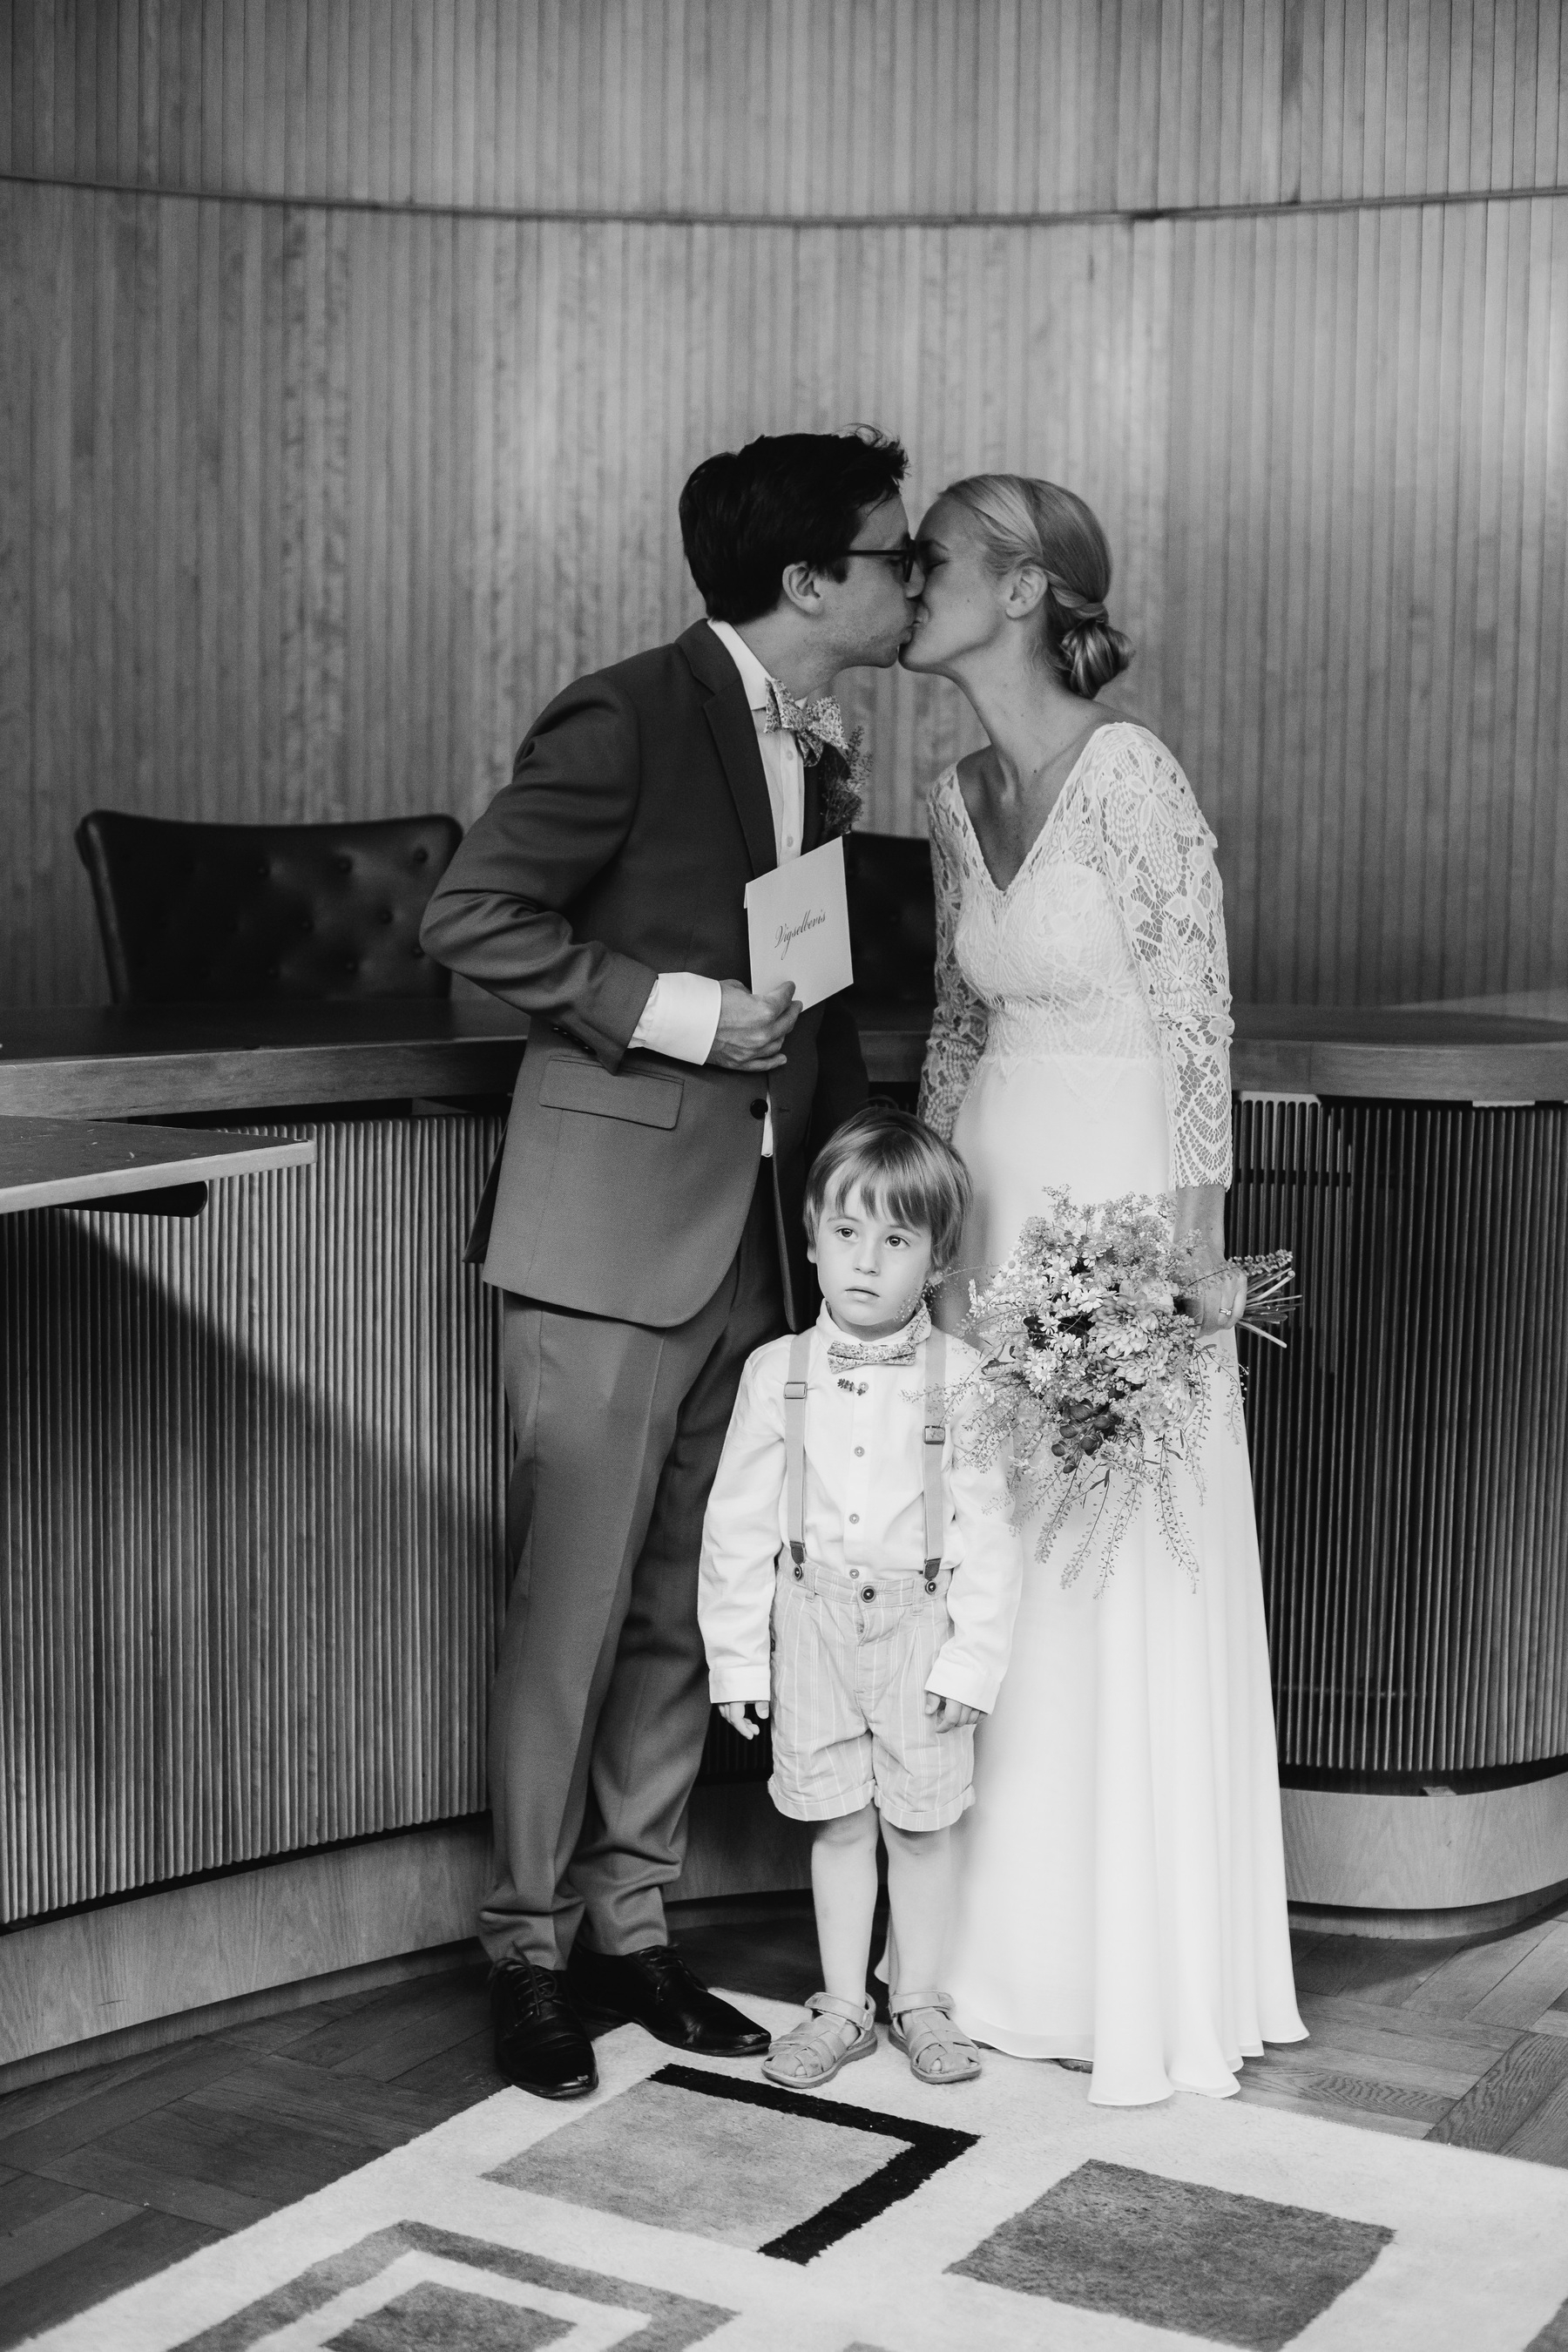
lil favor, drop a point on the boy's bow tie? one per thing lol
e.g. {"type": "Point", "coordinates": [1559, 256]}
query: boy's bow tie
{"type": "Point", "coordinates": [815, 725]}
{"type": "Point", "coordinates": [898, 1348]}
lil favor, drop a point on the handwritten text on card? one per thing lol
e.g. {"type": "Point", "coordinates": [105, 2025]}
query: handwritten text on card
{"type": "Point", "coordinates": [798, 921]}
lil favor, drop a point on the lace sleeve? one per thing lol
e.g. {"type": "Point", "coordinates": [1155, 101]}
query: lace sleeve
{"type": "Point", "coordinates": [958, 1032]}
{"type": "Point", "coordinates": [1160, 863]}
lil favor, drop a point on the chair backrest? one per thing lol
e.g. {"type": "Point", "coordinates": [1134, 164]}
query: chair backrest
{"type": "Point", "coordinates": [253, 912]}
{"type": "Point", "coordinates": [892, 917]}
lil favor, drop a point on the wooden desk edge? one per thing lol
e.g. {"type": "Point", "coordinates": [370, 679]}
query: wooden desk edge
{"type": "Point", "coordinates": [220, 1078]}
{"type": "Point", "coordinates": [1468, 1073]}
{"type": "Point", "coordinates": [150, 1086]}
{"type": "Point", "coordinates": [156, 1175]}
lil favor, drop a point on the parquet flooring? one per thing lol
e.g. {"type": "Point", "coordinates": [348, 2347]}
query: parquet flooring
{"type": "Point", "coordinates": [1466, 2043]}
{"type": "Point", "coordinates": [108, 2175]}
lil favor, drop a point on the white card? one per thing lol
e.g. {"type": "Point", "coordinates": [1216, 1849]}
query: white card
{"type": "Point", "coordinates": [798, 917]}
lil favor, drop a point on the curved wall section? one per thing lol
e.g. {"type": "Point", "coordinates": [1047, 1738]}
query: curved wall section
{"type": "Point", "coordinates": [1409, 1454]}
{"type": "Point", "coordinates": [252, 1474]}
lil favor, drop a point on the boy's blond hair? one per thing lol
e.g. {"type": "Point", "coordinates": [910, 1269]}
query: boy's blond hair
{"type": "Point", "coordinates": [903, 1169]}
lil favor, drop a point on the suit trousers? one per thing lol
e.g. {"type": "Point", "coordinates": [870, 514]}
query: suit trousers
{"type": "Point", "coordinates": [600, 1707]}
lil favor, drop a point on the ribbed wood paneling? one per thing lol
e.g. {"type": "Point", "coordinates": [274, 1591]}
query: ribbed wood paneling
{"type": "Point", "coordinates": [305, 511]}
{"type": "Point", "coordinates": [308, 512]}
{"type": "Point", "coordinates": [252, 1500]}
{"type": "Point", "coordinates": [1408, 1459]}
{"type": "Point", "coordinates": [850, 107]}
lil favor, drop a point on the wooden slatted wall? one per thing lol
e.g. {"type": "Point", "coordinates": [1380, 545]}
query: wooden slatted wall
{"type": "Point", "coordinates": [252, 1479]}
{"type": "Point", "coordinates": [1406, 1448]}
{"type": "Point", "coordinates": [868, 108]}
{"type": "Point", "coordinates": [353, 352]}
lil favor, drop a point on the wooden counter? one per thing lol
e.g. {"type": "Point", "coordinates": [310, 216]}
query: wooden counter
{"type": "Point", "coordinates": [1410, 1457]}
{"type": "Point", "coordinates": [1351, 1051]}
{"type": "Point", "coordinates": [161, 1061]}
{"type": "Point", "coordinates": [255, 1467]}
{"type": "Point", "coordinates": [91, 1062]}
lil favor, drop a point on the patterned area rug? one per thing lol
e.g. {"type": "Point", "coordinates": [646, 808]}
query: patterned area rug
{"type": "Point", "coordinates": [688, 2204]}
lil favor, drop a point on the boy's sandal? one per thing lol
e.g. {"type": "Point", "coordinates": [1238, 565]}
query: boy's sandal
{"type": "Point", "coordinates": [938, 2051]}
{"type": "Point", "coordinates": [813, 2052]}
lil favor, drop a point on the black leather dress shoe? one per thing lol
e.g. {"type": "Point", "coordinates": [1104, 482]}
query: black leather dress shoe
{"type": "Point", "coordinates": [654, 1989]}
{"type": "Point", "coordinates": [541, 2042]}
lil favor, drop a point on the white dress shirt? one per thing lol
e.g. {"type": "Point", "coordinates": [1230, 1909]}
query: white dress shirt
{"type": "Point", "coordinates": [681, 1014]}
{"type": "Point", "coordinates": [781, 762]}
{"type": "Point", "coordinates": [865, 1510]}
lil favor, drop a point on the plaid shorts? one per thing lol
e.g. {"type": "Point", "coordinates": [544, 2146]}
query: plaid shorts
{"type": "Point", "coordinates": [850, 1656]}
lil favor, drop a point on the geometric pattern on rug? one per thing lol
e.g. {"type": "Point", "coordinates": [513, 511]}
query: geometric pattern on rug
{"type": "Point", "coordinates": [776, 2171]}
{"type": "Point", "coordinates": [1209, 2262]}
{"type": "Point", "coordinates": [484, 2294]}
{"type": "Point", "coordinates": [428, 2245]}
{"type": "Point", "coordinates": [432, 2314]}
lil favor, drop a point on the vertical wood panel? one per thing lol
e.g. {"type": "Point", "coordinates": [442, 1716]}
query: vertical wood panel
{"type": "Point", "coordinates": [1410, 1489]}
{"type": "Point", "coordinates": [254, 1486]}
{"type": "Point", "coordinates": [308, 534]}
{"type": "Point", "coordinates": [794, 105]}
{"type": "Point", "coordinates": [305, 512]}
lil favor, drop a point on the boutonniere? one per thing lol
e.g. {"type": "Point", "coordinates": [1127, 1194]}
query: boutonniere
{"type": "Point", "coordinates": [842, 777]}
{"type": "Point", "coordinates": [836, 755]}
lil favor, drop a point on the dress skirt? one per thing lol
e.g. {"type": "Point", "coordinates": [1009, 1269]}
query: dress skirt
{"type": "Point", "coordinates": [1122, 1881]}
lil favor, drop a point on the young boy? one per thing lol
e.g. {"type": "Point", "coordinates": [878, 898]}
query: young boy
{"type": "Point", "coordinates": [848, 1535]}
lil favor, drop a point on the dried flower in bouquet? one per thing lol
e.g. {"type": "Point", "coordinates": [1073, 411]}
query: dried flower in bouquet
{"type": "Point", "coordinates": [1092, 1379]}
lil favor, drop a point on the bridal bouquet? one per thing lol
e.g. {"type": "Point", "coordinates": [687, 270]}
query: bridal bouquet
{"type": "Point", "coordinates": [1092, 1378]}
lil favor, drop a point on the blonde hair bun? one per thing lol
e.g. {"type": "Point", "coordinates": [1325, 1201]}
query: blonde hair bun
{"type": "Point", "coordinates": [1021, 519]}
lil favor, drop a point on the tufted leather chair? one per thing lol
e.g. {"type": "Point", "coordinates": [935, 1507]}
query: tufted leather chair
{"type": "Point", "coordinates": [258, 912]}
{"type": "Point", "coordinates": [892, 917]}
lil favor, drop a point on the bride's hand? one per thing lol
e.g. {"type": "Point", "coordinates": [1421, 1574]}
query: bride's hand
{"type": "Point", "coordinates": [1218, 1301]}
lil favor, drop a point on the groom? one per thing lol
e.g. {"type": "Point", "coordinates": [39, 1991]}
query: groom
{"type": "Point", "coordinates": [643, 1223]}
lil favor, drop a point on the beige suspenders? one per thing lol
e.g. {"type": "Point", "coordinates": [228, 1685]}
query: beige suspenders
{"type": "Point", "coordinates": [794, 1445]}
{"type": "Point", "coordinates": [933, 1438]}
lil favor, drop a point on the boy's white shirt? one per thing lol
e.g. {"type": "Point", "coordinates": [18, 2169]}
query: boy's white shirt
{"type": "Point", "coordinates": [865, 1510]}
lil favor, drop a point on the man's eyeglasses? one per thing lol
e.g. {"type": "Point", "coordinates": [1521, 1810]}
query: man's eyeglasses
{"type": "Point", "coordinates": [902, 560]}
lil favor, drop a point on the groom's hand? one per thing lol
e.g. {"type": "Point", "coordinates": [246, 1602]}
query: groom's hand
{"type": "Point", "coordinates": [752, 1029]}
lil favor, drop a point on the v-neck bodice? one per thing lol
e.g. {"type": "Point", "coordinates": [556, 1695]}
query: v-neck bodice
{"type": "Point", "coordinates": [1106, 948]}
{"type": "Point", "coordinates": [1048, 954]}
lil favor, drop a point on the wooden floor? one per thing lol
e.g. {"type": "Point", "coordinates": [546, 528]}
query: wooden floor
{"type": "Point", "coordinates": [108, 2175]}
{"type": "Point", "coordinates": [1460, 2042]}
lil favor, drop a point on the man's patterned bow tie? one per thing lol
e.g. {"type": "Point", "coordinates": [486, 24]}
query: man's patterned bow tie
{"type": "Point", "coordinates": [898, 1348]}
{"type": "Point", "coordinates": [817, 727]}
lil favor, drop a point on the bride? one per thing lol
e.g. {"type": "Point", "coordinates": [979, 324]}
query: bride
{"type": "Point", "coordinates": [1122, 1896]}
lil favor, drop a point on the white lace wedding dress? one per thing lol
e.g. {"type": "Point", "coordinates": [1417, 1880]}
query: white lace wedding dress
{"type": "Point", "coordinates": [1122, 1886]}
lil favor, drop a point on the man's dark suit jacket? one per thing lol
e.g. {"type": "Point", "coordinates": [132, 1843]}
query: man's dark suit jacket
{"type": "Point", "coordinates": [637, 814]}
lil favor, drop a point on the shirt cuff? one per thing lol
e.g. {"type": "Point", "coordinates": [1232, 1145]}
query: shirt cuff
{"type": "Point", "coordinates": [682, 1016]}
{"type": "Point", "coordinates": [952, 1678]}
{"type": "Point", "coordinates": [732, 1686]}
